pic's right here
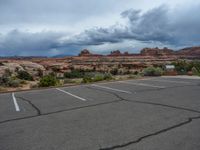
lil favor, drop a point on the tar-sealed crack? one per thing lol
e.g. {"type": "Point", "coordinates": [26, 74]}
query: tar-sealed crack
{"type": "Point", "coordinates": [125, 144]}
{"type": "Point", "coordinates": [31, 104]}
{"type": "Point", "coordinates": [55, 112]}
{"type": "Point", "coordinates": [144, 102]}
{"type": "Point", "coordinates": [190, 119]}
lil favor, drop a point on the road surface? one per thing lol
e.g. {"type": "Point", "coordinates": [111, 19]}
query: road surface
{"type": "Point", "coordinates": [149, 114]}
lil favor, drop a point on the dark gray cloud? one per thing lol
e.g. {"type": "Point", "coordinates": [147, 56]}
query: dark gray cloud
{"type": "Point", "coordinates": [175, 28]}
{"type": "Point", "coordinates": [169, 27]}
{"type": "Point", "coordinates": [157, 25]}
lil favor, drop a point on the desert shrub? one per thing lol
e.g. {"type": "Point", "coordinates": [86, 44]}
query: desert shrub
{"type": "Point", "coordinates": [24, 75]}
{"type": "Point", "coordinates": [65, 81]}
{"type": "Point", "coordinates": [133, 76]}
{"type": "Point", "coordinates": [114, 71]}
{"type": "Point", "coordinates": [95, 77]}
{"type": "Point", "coordinates": [74, 74]}
{"type": "Point", "coordinates": [9, 82]}
{"type": "Point", "coordinates": [7, 73]}
{"type": "Point", "coordinates": [152, 71]}
{"type": "Point", "coordinates": [196, 71]}
{"type": "Point", "coordinates": [4, 80]}
{"type": "Point", "coordinates": [98, 77]}
{"type": "Point", "coordinates": [108, 76]}
{"type": "Point", "coordinates": [48, 80]}
{"type": "Point", "coordinates": [182, 66]}
{"type": "Point", "coordinates": [135, 72]}
{"type": "Point", "coordinates": [13, 83]}
{"type": "Point", "coordinates": [40, 72]}
{"type": "Point", "coordinates": [87, 79]}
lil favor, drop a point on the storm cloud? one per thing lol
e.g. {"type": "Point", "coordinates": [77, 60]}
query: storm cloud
{"type": "Point", "coordinates": [156, 25]}
{"type": "Point", "coordinates": [162, 25]}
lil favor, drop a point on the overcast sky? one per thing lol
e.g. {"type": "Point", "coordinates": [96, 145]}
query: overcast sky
{"type": "Point", "coordinates": [54, 27]}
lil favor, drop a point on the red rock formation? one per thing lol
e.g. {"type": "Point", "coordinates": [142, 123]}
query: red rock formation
{"type": "Point", "coordinates": [115, 53]}
{"type": "Point", "coordinates": [156, 52]}
{"type": "Point", "coordinates": [190, 51]}
{"type": "Point", "coordinates": [86, 52]}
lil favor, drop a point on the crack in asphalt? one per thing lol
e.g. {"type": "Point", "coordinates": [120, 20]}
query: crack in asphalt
{"type": "Point", "coordinates": [190, 119]}
{"type": "Point", "coordinates": [163, 105]}
{"type": "Point", "coordinates": [145, 102]}
{"type": "Point", "coordinates": [59, 111]}
{"type": "Point", "coordinates": [31, 104]}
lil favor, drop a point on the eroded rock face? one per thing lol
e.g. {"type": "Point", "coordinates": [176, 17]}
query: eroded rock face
{"type": "Point", "coordinates": [85, 52]}
{"type": "Point", "coordinates": [13, 66]}
{"type": "Point", "coordinates": [89, 61]}
{"type": "Point", "coordinates": [31, 67]}
{"type": "Point", "coordinates": [28, 65]}
{"type": "Point", "coordinates": [191, 51]}
{"type": "Point", "coordinates": [156, 52]}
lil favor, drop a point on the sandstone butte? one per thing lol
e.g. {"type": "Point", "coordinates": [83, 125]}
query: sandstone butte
{"type": "Point", "coordinates": [86, 60]}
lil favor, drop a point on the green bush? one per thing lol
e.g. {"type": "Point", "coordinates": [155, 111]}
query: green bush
{"type": "Point", "coordinates": [74, 74]}
{"type": "Point", "coordinates": [9, 82]}
{"type": "Point", "coordinates": [196, 71]}
{"type": "Point", "coordinates": [152, 71]}
{"type": "Point", "coordinates": [95, 77]}
{"type": "Point", "coordinates": [87, 79]}
{"type": "Point", "coordinates": [183, 66]}
{"type": "Point", "coordinates": [108, 76]}
{"type": "Point", "coordinates": [48, 80]}
{"type": "Point", "coordinates": [98, 77]}
{"type": "Point", "coordinates": [24, 75]}
{"type": "Point", "coordinates": [13, 83]}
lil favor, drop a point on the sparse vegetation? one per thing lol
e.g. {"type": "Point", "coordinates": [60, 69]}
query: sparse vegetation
{"type": "Point", "coordinates": [152, 71]}
{"type": "Point", "coordinates": [24, 75]}
{"type": "Point", "coordinates": [95, 77]}
{"type": "Point", "coordinates": [9, 81]}
{"type": "Point", "coordinates": [74, 74]}
{"type": "Point", "coordinates": [114, 71]}
{"type": "Point", "coordinates": [183, 67]}
{"type": "Point", "coordinates": [48, 80]}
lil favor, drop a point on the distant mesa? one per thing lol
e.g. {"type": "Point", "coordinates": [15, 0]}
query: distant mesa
{"type": "Point", "coordinates": [119, 53]}
{"type": "Point", "coordinates": [156, 51]}
{"type": "Point", "coordinates": [86, 52]}
{"type": "Point", "coordinates": [191, 52]}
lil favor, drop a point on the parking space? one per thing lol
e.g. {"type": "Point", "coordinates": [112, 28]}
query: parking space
{"type": "Point", "coordinates": [8, 109]}
{"type": "Point", "coordinates": [182, 94]}
{"type": "Point", "coordinates": [125, 87]}
{"type": "Point", "coordinates": [102, 116]}
{"type": "Point", "coordinates": [58, 99]}
{"type": "Point", "coordinates": [90, 128]}
{"type": "Point", "coordinates": [164, 82]}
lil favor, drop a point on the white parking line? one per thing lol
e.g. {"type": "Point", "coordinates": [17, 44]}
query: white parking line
{"type": "Point", "coordinates": [71, 94]}
{"type": "Point", "coordinates": [170, 81]}
{"type": "Point", "coordinates": [142, 84]}
{"type": "Point", "coordinates": [15, 102]}
{"type": "Point", "coordinates": [113, 89]}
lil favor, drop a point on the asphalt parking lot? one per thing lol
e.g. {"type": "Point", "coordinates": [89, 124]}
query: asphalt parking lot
{"type": "Point", "coordinates": [148, 114]}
